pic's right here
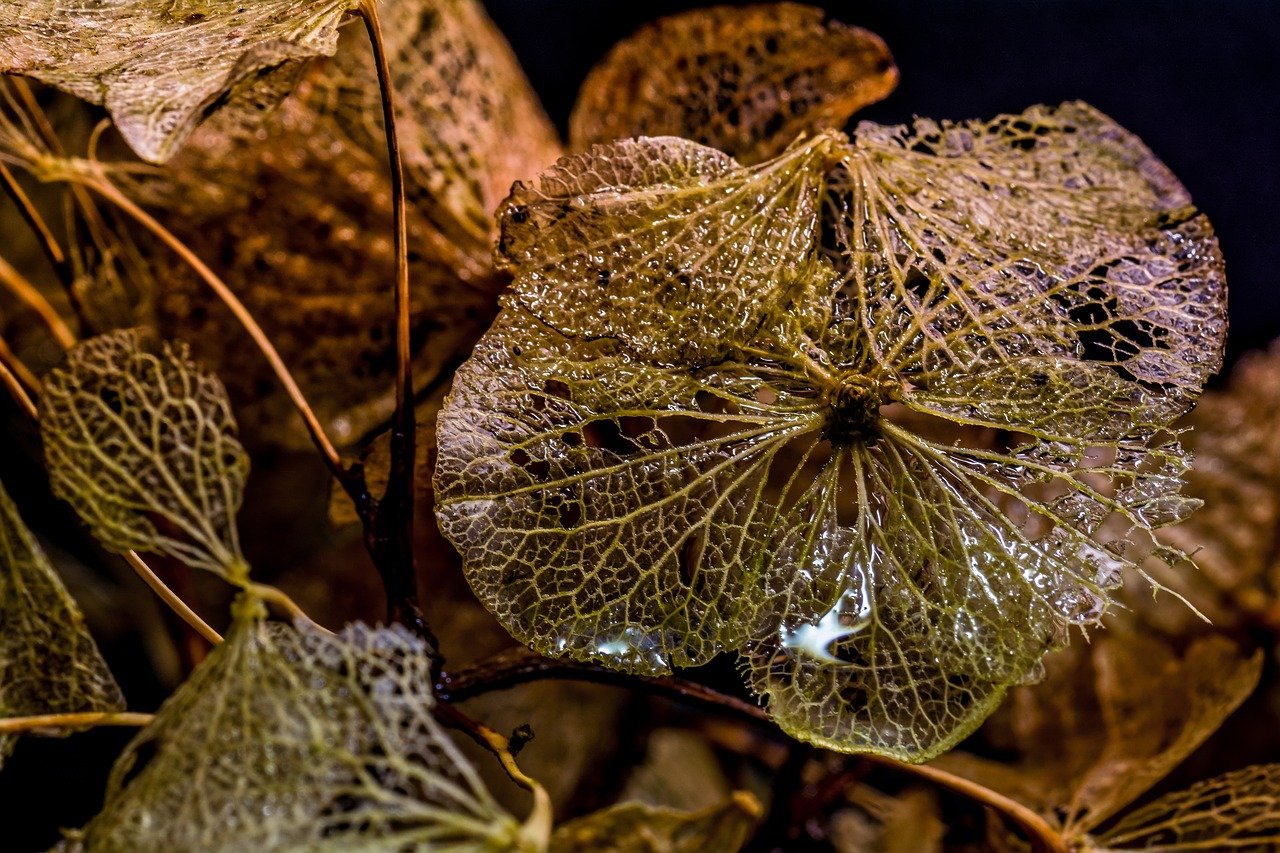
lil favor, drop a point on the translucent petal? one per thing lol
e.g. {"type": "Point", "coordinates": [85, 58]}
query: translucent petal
{"type": "Point", "coordinates": [606, 508]}
{"type": "Point", "coordinates": [1235, 811]}
{"type": "Point", "coordinates": [668, 245]}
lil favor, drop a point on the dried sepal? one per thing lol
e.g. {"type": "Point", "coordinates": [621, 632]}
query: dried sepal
{"type": "Point", "coordinates": [1235, 811]}
{"type": "Point", "coordinates": [160, 66]}
{"type": "Point", "coordinates": [639, 828]}
{"type": "Point", "coordinates": [744, 80]}
{"type": "Point", "coordinates": [141, 442]}
{"type": "Point", "coordinates": [290, 737]}
{"type": "Point", "coordinates": [468, 120]}
{"type": "Point", "coordinates": [887, 426]}
{"type": "Point", "coordinates": [48, 662]}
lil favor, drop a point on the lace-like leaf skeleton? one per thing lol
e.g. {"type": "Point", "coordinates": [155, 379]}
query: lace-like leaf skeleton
{"type": "Point", "coordinates": [322, 742]}
{"type": "Point", "coordinates": [859, 412]}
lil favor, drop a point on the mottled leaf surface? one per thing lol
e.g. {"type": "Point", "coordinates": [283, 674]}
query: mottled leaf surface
{"type": "Point", "coordinates": [744, 80]}
{"type": "Point", "coordinates": [48, 662]}
{"type": "Point", "coordinates": [141, 442]}
{"type": "Point", "coordinates": [161, 66]}
{"type": "Point", "coordinates": [292, 738]}
{"type": "Point", "coordinates": [639, 828]}
{"type": "Point", "coordinates": [469, 122]}
{"type": "Point", "coordinates": [751, 408]}
{"type": "Point", "coordinates": [1234, 811]}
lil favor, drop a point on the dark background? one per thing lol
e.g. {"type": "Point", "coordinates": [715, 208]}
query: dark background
{"type": "Point", "coordinates": [1195, 79]}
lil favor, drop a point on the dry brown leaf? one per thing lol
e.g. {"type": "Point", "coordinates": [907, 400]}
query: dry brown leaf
{"type": "Point", "coordinates": [744, 80]}
{"type": "Point", "coordinates": [469, 122]}
{"type": "Point", "coordinates": [297, 222]}
{"type": "Point", "coordinates": [1108, 722]}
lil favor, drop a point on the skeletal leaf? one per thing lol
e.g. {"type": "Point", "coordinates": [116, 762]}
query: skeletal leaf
{"type": "Point", "coordinates": [1235, 811]}
{"type": "Point", "coordinates": [744, 80]}
{"type": "Point", "coordinates": [751, 408]}
{"type": "Point", "coordinates": [469, 122]}
{"type": "Point", "coordinates": [292, 738]}
{"type": "Point", "coordinates": [161, 66]}
{"type": "Point", "coordinates": [1109, 722]}
{"type": "Point", "coordinates": [48, 662]}
{"type": "Point", "coordinates": [639, 828]}
{"type": "Point", "coordinates": [141, 442]}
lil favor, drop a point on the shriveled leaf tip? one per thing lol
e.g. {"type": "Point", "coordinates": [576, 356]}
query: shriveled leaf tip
{"type": "Point", "coordinates": [161, 66]}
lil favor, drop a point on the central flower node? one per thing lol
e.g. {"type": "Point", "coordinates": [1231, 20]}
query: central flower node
{"type": "Point", "coordinates": [855, 402]}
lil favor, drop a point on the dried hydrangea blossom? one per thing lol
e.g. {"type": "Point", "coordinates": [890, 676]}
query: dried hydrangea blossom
{"type": "Point", "coordinates": [142, 443]}
{"type": "Point", "coordinates": [48, 662]}
{"type": "Point", "coordinates": [857, 411]}
{"type": "Point", "coordinates": [160, 66]}
{"type": "Point", "coordinates": [287, 737]}
{"type": "Point", "coordinates": [743, 80]}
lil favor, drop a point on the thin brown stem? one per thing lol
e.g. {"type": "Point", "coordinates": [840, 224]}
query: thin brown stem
{"type": "Point", "coordinates": [19, 394]}
{"type": "Point", "coordinates": [520, 666]}
{"type": "Point", "coordinates": [513, 668]}
{"type": "Point", "coordinates": [390, 536]}
{"type": "Point", "coordinates": [278, 597]}
{"type": "Point", "coordinates": [169, 597]}
{"type": "Point", "coordinates": [87, 719]}
{"type": "Point", "coordinates": [1044, 838]}
{"type": "Point", "coordinates": [17, 372]}
{"type": "Point", "coordinates": [27, 293]}
{"type": "Point", "coordinates": [49, 243]}
{"type": "Point", "coordinates": [111, 193]}
{"type": "Point", "coordinates": [499, 745]}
